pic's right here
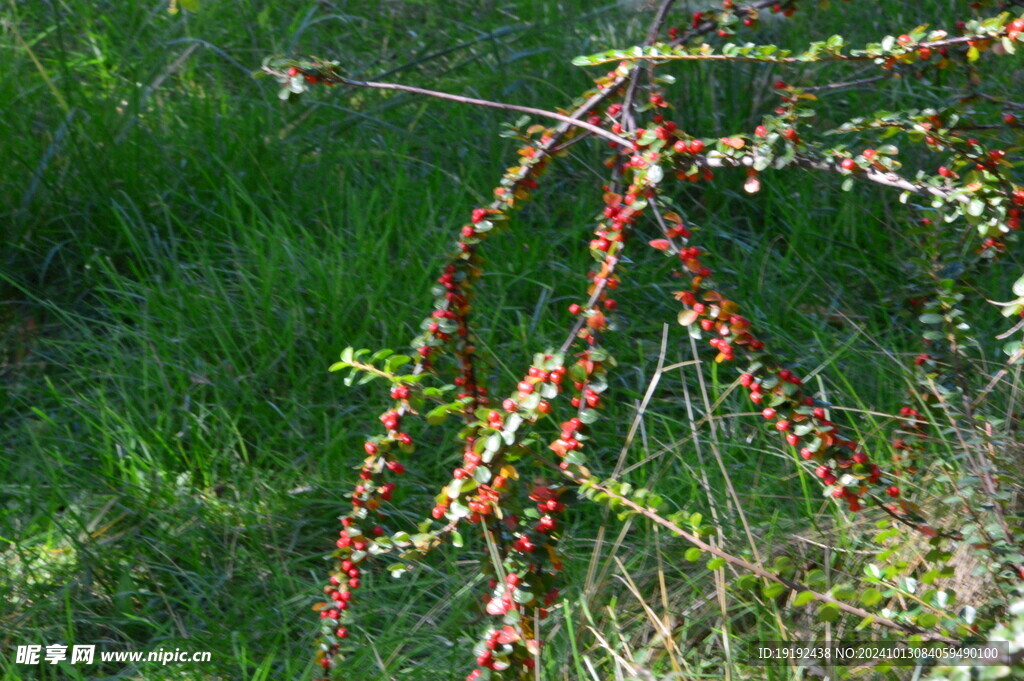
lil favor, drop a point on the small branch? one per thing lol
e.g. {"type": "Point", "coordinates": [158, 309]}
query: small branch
{"type": "Point", "coordinates": [888, 179]}
{"type": "Point", "coordinates": [831, 57]}
{"type": "Point", "coordinates": [565, 145]}
{"type": "Point", "coordinates": [999, 100]}
{"type": "Point", "coordinates": [846, 84]}
{"type": "Point", "coordinates": [659, 21]}
{"type": "Point", "coordinates": [757, 569]}
{"type": "Point", "coordinates": [568, 120]}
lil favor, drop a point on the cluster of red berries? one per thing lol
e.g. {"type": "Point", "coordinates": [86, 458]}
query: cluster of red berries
{"type": "Point", "coordinates": [526, 589]}
{"type": "Point", "coordinates": [498, 650]}
{"type": "Point", "coordinates": [356, 535]}
{"type": "Point", "coordinates": [843, 467]}
{"type": "Point", "coordinates": [619, 213]}
{"type": "Point", "coordinates": [448, 322]}
{"type": "Point", "coordinates": [720, 21]}
{"type": "Point", "coordinates": [806, 426]}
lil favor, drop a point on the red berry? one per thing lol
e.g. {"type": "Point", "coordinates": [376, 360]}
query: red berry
{"type": "Point", "coordinates": [696, 146]}
{"type": "Point", "coordinates": [768, 413]}
{"type": "Point", "coordinates": [782, 425]}
{"type": "Point", "coordinates": [849, 164]}
{"type": "Point", "coordinates": [893, 491]}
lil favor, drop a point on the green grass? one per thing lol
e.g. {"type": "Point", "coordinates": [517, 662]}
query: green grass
{"type": "Point", "coordinates": [185, 255]}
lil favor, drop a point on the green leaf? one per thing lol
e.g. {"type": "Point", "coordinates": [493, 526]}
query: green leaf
{"type": "Point", "coordinates": [828, 612]}
{"type": "Point", "coordinates": [438, 415]}
{"type": "Point", "coordinates": [716, 563]}
{"type": "Point", "coordinates": [381, 354]}
{"type": "Point", "coordinates": [931, 318]}
{"type": "Point", "coordinates": [395, 362]}
{"type": "Point", "coordinates": [870, 596]}
{"type": "Point", "coordinates": [843, 592]}
{"type": "Point", "coordinates": [803, 598]}
{"type": "Point", "coordinates": [693, 554]}
{"type": "Point", "coordinates": [975, 207]}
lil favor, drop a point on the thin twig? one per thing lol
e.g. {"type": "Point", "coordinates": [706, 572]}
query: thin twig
{"type": "Point", "coordinates": [846, 84]}
{"type": "Point", "coordinates": [486, 103]}
{"type": "Point", "coordinates": [757, 569]}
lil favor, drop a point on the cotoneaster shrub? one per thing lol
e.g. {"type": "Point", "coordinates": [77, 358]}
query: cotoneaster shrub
{"type": "Point", "coordinates": [524, 447]}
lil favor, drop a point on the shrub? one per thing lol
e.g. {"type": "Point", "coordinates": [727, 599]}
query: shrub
{"type": "Point", "coordinates": [945, 477]}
